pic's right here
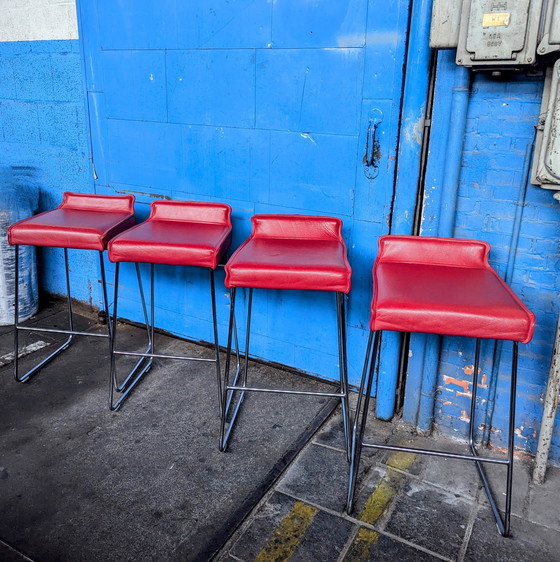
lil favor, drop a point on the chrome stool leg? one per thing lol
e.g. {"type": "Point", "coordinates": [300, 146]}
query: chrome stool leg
{"type": "Point", "coordinates": [146, 357]}
{"type": "Point", "coordinates": [17, 327]}
{"type": "Point", "coordinates": [343, 369]}
{"type": "Point", "coordinates": [358, 442]}
{"type": "Point", "coordinates": [227, 392]}
{"type": "Point", "coordinates": [503, 523]}
{"type": "Point", "coordinates": [359, 425]}
{"type": "Point", "coordinates": [139, 369]}
{"type": "Point", "coordinates": [216, 343]}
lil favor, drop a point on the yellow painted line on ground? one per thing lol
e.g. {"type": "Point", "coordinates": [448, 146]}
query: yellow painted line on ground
{"type": "Point", "coordinates": [361, 546]}
{"type": "Point", "coordinates": [377, 504]}
{"type": "Point", "coordinates": [283, 543]}
{"type": "Point", "coordinates": [402, 461]}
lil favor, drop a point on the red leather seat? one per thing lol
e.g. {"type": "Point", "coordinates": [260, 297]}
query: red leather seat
{"type": "Point", "coordinates": [291, 252]}
{"type": "Point", "coordinates": [82, 221]}
{"type": "Point", "coordinates": [177, 233]}
{"type": "Point", "coordinates": [444, 286]}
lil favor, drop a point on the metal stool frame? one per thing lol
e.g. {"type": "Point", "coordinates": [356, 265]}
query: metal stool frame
{"type": "Point", "coordinates": [230, 390]}
{"type": "Point", "coordinates": [70, 331]}
{"type": "Point", "coordinates": [136, 374]}
{"type": "Point", "coordinates": [360, 421]}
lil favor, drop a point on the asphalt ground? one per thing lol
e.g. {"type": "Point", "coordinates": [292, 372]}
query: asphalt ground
{"type": "Point", "coordinates": [147, 482]}
{"type": "Point", "coordinates": [78, 482]}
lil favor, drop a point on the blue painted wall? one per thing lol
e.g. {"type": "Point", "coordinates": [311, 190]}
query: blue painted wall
{"type": "Point", "coordinates": [44, 138]}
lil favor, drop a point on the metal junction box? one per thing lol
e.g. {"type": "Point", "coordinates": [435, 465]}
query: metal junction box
{"type": "Point", "coordinates": [444, 29]}
{"type": "Point", "coordinates": [546, 161]}
{"type": "Point", "coordinates": [498, 33]}
{"type": "Point", "coordinates": [550, 41]}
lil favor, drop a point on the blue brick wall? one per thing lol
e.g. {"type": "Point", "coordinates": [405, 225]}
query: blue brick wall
{"type": "Point", "coordinates": [43, 129]}
{"type": "Point", "coordinates": [501, 119]}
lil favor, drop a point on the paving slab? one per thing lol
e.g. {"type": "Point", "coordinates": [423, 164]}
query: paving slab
{"type": "Point", "coordinates": [288, 529]}
{"type": "Point", "coordinates": [373, 546]}
{"type": "Point", "coordinates": [431, 518]}
{"type": "Point", "coordinates": [529, 542]}
{"type": "Point", "coordinates": [543, 506]}
{"type": "Point", "coordinates": [146, 482]}
{"type": "Point", "coordinates": [319, 477]}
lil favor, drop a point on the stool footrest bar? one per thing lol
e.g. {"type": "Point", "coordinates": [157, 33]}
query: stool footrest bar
{"type": "Point", "coordinates": [474, 457]}
{"type": "Point", "coordinates": [282, 391]}
{"type": "Point", "coordinates": [57, 331]}
{"type": "Point", "coordinates": [164, 356]}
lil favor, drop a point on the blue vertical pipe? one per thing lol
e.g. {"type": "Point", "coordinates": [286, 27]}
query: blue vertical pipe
{"type": "Point", "coordinates": [446, 226]}
{"type": "Point", "coordinates": [455, 138]}
{"type": "Point", "coordinates": [408, 168]}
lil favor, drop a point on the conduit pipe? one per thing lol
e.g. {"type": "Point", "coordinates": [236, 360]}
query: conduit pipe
{"type": "Point", "coordinates": [508, 278]}
{"type": "Point", "coordinates": [446, 225]}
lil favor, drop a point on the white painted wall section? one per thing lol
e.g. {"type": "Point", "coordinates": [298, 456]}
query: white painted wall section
{"type": "Point", "coordinates": [37, 20]}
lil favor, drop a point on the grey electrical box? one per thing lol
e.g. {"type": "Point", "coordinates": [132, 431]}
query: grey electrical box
{"type": "Point", "coordinates": [444, 29]}
{"type": "Point", "coordinates": [550, 41]}
{"type": "Point", "coordinates": [498, 33]}
{"type": "Point", "coordinates": [546, 161]}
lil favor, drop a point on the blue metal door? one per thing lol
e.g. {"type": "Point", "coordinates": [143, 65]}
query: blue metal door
{"type": "Point", "coordinates": [271, 106]}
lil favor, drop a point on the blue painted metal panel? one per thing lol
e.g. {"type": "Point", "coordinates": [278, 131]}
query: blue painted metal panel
{"type": "Point", "coordinates": [142, 24]}
{"type": "Point", "coordinates": [385, 50]}
{"type": "Point", "coordinates": [224, 163]}
{"type": "Point", "coordinates": [143, 153]}
{"type": "Point", "coordinates": [318, 24]}
{"type": "Point", "coordinates": [214, 24]}
{"type": "Point", "coordinates": [172, 24]}
{"type": "Point", "coordinates": [134, 85]}
{"type": "Point", "coordinates": [313, 173]}
{"type": "Point", "coordinates": [211, 87]}
{"type": "Point", "coordinates": [295, 90]}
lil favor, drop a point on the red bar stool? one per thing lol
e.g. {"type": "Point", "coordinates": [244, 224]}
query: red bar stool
{"type": "Point", "coordinates": [441, 286]}
{"type": "Point", "coordinates": [176, 233]}
{"type": "Point", "coordinates": [287, 252]}
{"type": "Point", "coordinates": [84, 222]}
